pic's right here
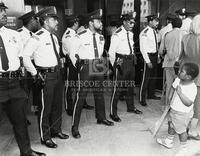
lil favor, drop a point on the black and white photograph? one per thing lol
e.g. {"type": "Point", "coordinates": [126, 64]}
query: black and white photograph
{"type": "Point", "coordinates": [99, 77]}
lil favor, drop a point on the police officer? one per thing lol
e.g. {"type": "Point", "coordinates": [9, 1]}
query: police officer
{"type": "Point", "coordinates": [122, 57]}
{"type": "Point", "coordinates": [67, 40]}
{"type": "Point", "coordinates": [149, 50]}
{"type": "Point", "coordinates": [11, 93]}
{"type": "Point", "coordinates": [44, 48]}
{"type": "Point", "coordinates": [30, 26]}
{"type": "Point", "coordinates": [88, 49]}
{"type": "Point", "coordinates": [182, 14]}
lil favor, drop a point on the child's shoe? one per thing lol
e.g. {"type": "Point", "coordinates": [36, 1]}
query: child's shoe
{"type": "Point", "coordinates": [165, 142]}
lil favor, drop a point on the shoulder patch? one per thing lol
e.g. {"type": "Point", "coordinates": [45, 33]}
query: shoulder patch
{"type": "Point", "coordinates": [82, 32]}
{"type": "Point", "coordinates": [146, 30]}
{"type": "Point", "coordinates": [40, 32]}
{"type": "Point", "coordinates": [20, 30]}
{"type": "Point", "coordinates": [118, 30]}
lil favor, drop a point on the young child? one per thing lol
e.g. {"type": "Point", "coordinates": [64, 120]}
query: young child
{"type": "Point", "coordinates": [181, 97]}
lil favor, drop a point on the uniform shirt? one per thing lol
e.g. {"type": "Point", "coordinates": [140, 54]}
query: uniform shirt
{"type": "Point", "coordinates": [84, 47]}
{"type": "Point", "coordinates": [13, 47]}
{"type": "Point", "coordinates": [25, 34]}
{"type": "Point", "coordinates": [172, 43]}
{"type": "Point", "coordinates": [189, 90]}
{"type": "Point", "coordinates": [186, 25]}
{"type": "Point", "coordinates": [40, 46]}
{"type": "Point", "coordinates": [165, 30]}
{"type": "Point", "coordinates": [119, 43]}
{"type": "Point", "coordinates": [148, 43]}
{"type": "Point", "coordinates": [67, 40]}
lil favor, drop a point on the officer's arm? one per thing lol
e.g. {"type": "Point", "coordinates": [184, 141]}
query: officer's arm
{"type": "Point", "coordinates": [28, 51]}
{"type": "Point", "coordinates": [114, 44]}
{"type": "Point", "coordinates": [143, 44]}
{"type": "Point", "coordinates": [66, 43]}
{"type": "Point", "coordinates": [74, 50]}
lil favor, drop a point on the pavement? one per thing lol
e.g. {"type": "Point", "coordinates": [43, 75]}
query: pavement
{"type": "Point", "coordinates": [131, 137]}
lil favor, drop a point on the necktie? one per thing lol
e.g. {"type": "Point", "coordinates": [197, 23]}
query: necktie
{"type": "Point", "coordinates": [4, 57]}
{"type": "Point", "coordinates": [55, 51]}
{"type": "Point", "coordinates": [155, 40]}
{"type": "Point", "coordinates": [31, 34]}
{"type": "Point", "coordinates": [96, 54]}
{"type": "Point", "coordinates": [129, 44]}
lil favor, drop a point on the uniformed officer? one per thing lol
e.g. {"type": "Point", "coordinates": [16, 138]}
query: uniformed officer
{"type": "Point", "coordinates": [122, 57]}
{"type": "Point", "coordinates": [67, 40]}
{"type": "Point", "coordinates": [88, 50]}
{"type": "Point", "coordinates": [30, 26]}
{"type": "Point", "coordinates": [11, 93]}
{"type": "Point", "coordinates": [182, 14]}
{"type": "Point", "coordinates": [149, 50]}
{"type": "Point", "coordinates": [44, 48]}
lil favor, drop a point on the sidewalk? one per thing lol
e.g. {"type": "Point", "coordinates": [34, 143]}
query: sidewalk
{"type": "Point", "coordinates": [131, 137]}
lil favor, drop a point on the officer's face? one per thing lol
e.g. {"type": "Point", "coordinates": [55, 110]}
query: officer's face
{"type": "Point", "coordinates": [35, 25]}
{"type": "Point", "coordinates": [154, 23]}
{"type": "Point", "coordinates": [52, 23]}
{"type": "Point", "coordinates": [3, 17]}
{"type": "Point", "coordinates": [129, 24]}
{"type": "Point", "coordinates": [97, 24]}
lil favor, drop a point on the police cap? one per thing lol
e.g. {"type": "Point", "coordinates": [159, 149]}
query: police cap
{"type": "Point", "coordinates": [47, 12]}
{"type": "Point", "coordinates": [170, 16]}
{"type": "Point", "coordinates": [2, 6]}
{"type": "Point", "coordinates": [152, 17]}
{"type": "Point", "coordinates": [181, 12]}
{"type": "Point", "coordinates": [128, 16]}
{"type": "Point", "coordinates": [97, 14]}
{"type": "Point", "coordinates": [27, 17]}
{"type": "Point", "coordinates": [72, 18]}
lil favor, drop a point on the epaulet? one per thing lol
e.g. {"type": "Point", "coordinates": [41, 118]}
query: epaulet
{"type": "Point", "coordinates": [146, 30]}
{"type": "Point", "coordinates": [20, 30]}
{"type": "Point", "coordinates": [118, 30]}
{"type": "Point", "coordinates": [40, 32]}
{"type": "Point", "coordinates": [67, 32]}
{"type": "Point", "coordinates": [82, 32]}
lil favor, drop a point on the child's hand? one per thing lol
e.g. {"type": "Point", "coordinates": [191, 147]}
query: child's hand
{"type": "Point", "coordinates": [178, 90]}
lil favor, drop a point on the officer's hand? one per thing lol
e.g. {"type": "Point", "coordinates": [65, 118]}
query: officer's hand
{"type": "Point", "coordinates": [150, 65]}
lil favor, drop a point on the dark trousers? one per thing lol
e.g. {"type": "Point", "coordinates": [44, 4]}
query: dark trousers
{"type": "Point", "coordinates": [87, 82]}
{"type": "Point", "coordinates": [50, 112]}
{"type": "Point", "coordinates": [14, 99]}
{"type": "Point", "coordinates": [148, 84]}
{"type": "Point", "coordinates": [123, 82]}
{"type": "Point", "coordinates": [71, 87]}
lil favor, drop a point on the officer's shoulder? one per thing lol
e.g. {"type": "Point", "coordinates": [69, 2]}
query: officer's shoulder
{"type": "Point", "coordinates": [82, 32]}
{"type": "Point", "coordinates": [67, 34]}
{"type": "Point", "coordinates": [40, 32]}
{"type": "Point", "coordinates": [118, 30]}
{"type": "Point", "coordinates": [145, 31]}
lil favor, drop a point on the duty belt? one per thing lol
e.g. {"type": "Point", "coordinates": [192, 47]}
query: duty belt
{"type": "Point", "coordinates": [131, 56]}
{"type": "Point", "coordinates": [87, 61]}
{"type": "Point", "coordinates": [10, 74]}
{"type": "Point", "coordinates": [47, 69]}
{"type": "Point", "coordinates": [152, 54]}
